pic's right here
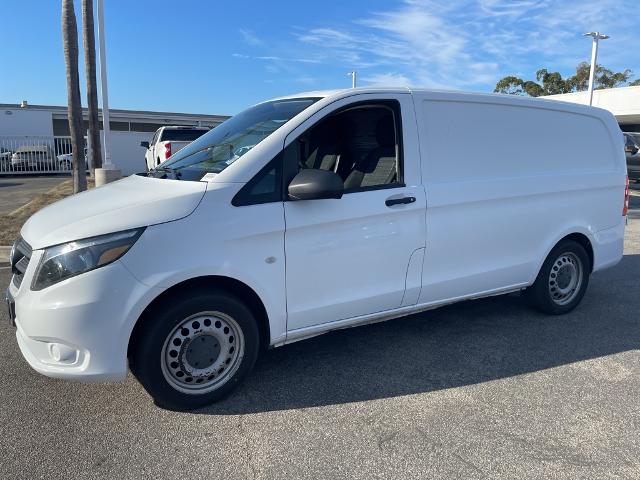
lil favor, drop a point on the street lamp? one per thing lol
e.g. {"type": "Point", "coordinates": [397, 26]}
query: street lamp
{"type": "Point", "coordinates": [354, 77]}
{"type": "Point", "coordinates": [597, 36]}
{"type": "Point", "coordinates": [109, 172]}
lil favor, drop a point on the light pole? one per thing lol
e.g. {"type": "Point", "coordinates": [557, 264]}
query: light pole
{"type": "Point", "coordinates": [597, 36]}
{"type": "Point", "coordinates": [354, 77]}
{"type": "Point", "coordinates": [108, 172]}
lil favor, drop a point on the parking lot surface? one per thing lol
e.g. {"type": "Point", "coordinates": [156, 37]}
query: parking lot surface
{"type": "Point", "coordinates": [482, 389]}
{"type": "Point", "coordinates": [18, 190]}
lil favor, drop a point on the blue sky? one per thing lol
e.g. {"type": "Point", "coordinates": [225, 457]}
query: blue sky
{"type": "Point", "coordinates": [221, 56]}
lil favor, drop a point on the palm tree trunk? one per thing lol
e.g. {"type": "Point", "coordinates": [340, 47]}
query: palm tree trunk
{"type": "Point", "coordinates": [70, 44]}
{"type": "Point", "coordinates": [89, 42]}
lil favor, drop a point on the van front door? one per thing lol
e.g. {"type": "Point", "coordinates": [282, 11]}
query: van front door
{"type": "Point", "coordinates": [360, 254]}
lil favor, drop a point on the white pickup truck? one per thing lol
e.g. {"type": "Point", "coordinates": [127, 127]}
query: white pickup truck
{"type": "Point", "coordinates": [167, 141]}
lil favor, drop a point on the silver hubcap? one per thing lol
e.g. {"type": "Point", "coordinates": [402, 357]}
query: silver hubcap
{"type": "Point", "coordinates": [202, 352]}
{"type": "Point", "coordinates": [565, 278]}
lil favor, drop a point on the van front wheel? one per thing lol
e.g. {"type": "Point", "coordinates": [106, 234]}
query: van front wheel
{"type": "Point", "coordinates": [195, 350]}
{"type": "Point", "coordinates": [562, 280]}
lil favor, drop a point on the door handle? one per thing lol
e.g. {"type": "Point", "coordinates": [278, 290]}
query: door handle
{"type": "Point", "coordinates": [399, 201]}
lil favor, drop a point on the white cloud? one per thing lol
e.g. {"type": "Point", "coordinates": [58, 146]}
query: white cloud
{"type": "Point", "coordinates": [387, 80]}
{"type": "Point", "coordinates": [472, 43]}
{"type": "Point", "coordinates": [510, 8]}
{"type": "Point", "coordinates": [274, 58]}
{"type": "Point", "coordinates": [285, 59]}
{"type": "Point", "coordinates": [250, 38]}
{"type": "Point", "coordinates": [306, 80]}
{"type": "Point", "coordinates": [466, 44]}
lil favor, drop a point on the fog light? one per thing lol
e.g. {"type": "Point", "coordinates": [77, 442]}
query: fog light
{"type": "Point", "coordinates": [61, 353]}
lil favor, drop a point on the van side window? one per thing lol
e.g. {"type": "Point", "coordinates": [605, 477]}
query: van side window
{"type": "Point", "coordinates": [265, 187]}
{"type": "Point", "coordinates": [360, 143]}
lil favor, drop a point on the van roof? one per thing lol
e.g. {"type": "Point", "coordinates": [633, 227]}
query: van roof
{"type": "Point", "coordinates": [550, 103]}
{"type": "Point", "coordinates": [339, 91]}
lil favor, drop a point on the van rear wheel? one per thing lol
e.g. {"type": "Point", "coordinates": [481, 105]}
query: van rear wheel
{"type": "Point", "coordinates": [562, 280]}
{"type": "Point", "coordinates": [193, 351]}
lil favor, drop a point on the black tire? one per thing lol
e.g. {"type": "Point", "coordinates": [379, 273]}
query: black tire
{"type": "Point", "coordinates": [542, 296]}
{"type": "Point", "coordinates": [148, 353]}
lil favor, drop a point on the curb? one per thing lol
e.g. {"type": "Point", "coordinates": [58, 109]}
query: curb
{"type": "Point", "coordinates": [4, 254]}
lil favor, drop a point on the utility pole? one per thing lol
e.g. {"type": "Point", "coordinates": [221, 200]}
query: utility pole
{"type": "Point", "coordinates": [596, 36]}
{"type": "Point", "coordinates": [354, 78]}
{"type": "Point", "coordinates": [109, 172]}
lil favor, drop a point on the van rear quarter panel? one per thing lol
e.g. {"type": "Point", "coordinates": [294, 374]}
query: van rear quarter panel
{"type": "Point", "coordinates": [505, 180]}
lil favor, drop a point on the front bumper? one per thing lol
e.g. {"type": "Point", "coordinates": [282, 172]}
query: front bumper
{"type": "Point", "coordinates": [79, 329]}
{"type": "Point", "coordinates": [11, 307]}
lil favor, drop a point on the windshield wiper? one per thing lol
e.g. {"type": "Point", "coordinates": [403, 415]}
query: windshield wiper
{"type": "Point", "coordinates": [176, 173]}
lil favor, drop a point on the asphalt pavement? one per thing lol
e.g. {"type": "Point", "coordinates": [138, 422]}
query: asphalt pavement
{"type": "Point", "coordinates": [18, 190]}
{"type": "Point", "coordinates": [482, 389]}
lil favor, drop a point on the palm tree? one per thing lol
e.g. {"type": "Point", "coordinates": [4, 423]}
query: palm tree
{"type": "Point", "coordinates": [89, 42]}
{"type": "Point", "coordinates": [70, 44]}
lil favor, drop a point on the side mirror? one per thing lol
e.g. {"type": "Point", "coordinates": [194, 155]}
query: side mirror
{"type": "Point", "coordinates": [144, 144]}
{"type": "Point", "coordinates": [312, 184]}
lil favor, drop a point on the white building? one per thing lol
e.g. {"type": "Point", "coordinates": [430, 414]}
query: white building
{"type": "Point", "coordinates": [48, 125]}
{"type": "Point", "coordinates": [623, 102]}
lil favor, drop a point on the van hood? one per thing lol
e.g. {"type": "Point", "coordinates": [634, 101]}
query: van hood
{"type": "Point", "coordinates": [132, 202]}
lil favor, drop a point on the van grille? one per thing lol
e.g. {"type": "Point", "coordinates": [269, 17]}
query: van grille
{"type": "Point", "coordinates": [20, 256]}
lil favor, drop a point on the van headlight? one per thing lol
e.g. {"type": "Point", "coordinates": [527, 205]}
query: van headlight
{"type": "Point", "coordinates": [70, 259]}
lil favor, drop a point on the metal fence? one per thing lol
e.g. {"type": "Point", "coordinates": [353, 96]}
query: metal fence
{"type": "Point", "coordinates": [30, 154]}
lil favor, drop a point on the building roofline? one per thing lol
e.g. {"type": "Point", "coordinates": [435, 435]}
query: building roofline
{"type": "Point", "coordinates": [115, 111]}
{"type": "Point", "coordinates": [595, 91]}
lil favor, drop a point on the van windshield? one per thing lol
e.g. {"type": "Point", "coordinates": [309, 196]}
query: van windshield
{"type": "Point", "coordinates": [226, 143]}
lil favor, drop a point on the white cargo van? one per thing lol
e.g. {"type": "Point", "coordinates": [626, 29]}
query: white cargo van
{"type": "Point", "coordinates": [311, 213]}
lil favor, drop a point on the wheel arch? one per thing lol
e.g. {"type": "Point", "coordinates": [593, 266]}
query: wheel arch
{"type": "Point", "coordinates": [229, 285]}
{"type": "Point", "coordinates": [583, 240]}
{"type": "Point", "coordinates": [577, 236]}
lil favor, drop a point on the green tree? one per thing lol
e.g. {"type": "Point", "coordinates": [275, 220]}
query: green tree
{"type": "Point", "coordinates": [510, 85]}
{"type": "Point", "coordinates": [552, 83]}
{"type": "Point", "coordinates": [516, 86]}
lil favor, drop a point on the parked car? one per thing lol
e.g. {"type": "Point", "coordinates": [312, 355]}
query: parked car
{"type": "Point", "coordinates": [33, 157]}
{"type": "Point", "coordinates": [632, 153]}
{"type": "Point", "coordinates": [635, 136]}
{"type": "Point", "coordinates": [5, 159]}
{"type": "Point", "coordinates": [5, 153]}
{"type": "Point", "coordinates": [65, 161]}
{"type": "Point", "coordinates": [167, 141]}
{"type": "Point", "coordinates": [363, 194]}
